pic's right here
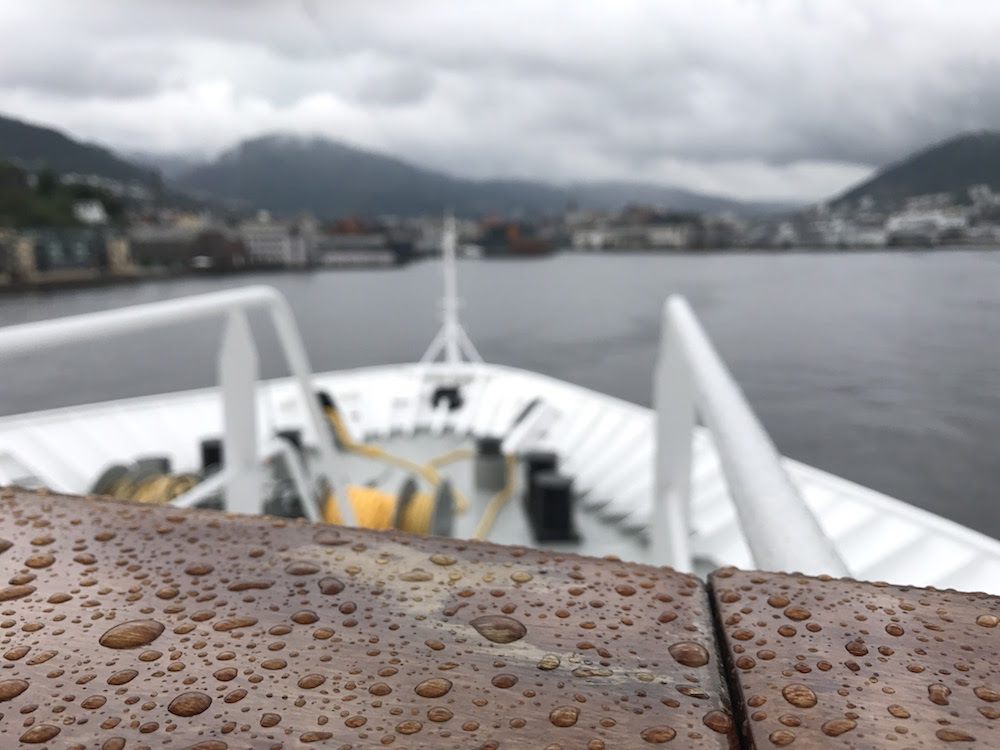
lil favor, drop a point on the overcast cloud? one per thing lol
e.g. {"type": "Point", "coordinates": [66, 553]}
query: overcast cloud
{"type": "Point", "coordinates": [753, 98]}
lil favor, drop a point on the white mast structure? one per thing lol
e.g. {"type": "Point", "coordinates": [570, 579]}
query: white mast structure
{"type": "Point", "coordinates": [452, 343]}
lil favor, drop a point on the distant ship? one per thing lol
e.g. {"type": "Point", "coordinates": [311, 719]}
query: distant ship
{"type": "Point", "coordinates": [454, 446]}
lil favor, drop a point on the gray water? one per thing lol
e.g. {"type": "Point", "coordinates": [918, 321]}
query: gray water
{"type": "Point", "coordinates": [881, 367]}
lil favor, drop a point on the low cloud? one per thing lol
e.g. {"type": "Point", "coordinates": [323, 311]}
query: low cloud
{"type": "Point", "coordinates": [751, 98]}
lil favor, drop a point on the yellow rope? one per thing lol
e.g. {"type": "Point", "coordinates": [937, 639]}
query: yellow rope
{"type": "Point", "coordinates": [427, 472]}
{"type": "Point", "coordinates": [155, 490]}
{"type": "Point", "coordinates": [498, 501]}
{"type": "Point", "coordinates": [458, 454]}
{"type": "Point", "coordinates": [376, 509]}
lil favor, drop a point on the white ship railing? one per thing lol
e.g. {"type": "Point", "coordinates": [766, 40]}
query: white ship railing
{"type": "Point", "coordinates": [237, 370]}
{"type": "Point", "coordinates": [691, 381]}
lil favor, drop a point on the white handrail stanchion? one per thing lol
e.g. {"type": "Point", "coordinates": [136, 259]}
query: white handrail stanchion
{"type": "Point", "coordinates": [283, 451]}
{"type": "Point", "coordinates": [32, 337]}
{"type": "Point", "coordinates": [298, 363]}
{"type": "Point", "coordinates": [202, 491]}
{"type": "Point", "coordinates": [673, 400]}
{"type": "Point", "coordinates": [238, 382]}
{"type": "Point", "coordinates": [780, 529]}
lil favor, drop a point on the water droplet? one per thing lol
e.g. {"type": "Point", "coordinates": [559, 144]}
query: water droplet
{"type": "Point", "coordinates": [409, 727]}
{"type": "Point", "coordinates": [898, 711]}
{"type": "Point", "coordinates": [689, 653]}
{"type": "Point", "coordinates": [564, 716]}
{"type": "Point", "coordinates": [435, 687]}
{"type": "Point", "coordinates": [40, 733]}
{"type": "Point", "coordinates": [314, 736]}
{"type": "Point", "coordinates": [797, 613]}
{"type": "Point", "coordinates": [504, 681]}
{"type": "Point", "coordinates": [718, 721]}
{"type": "Point", "coordinates": [355, 721]}
{"type": "Point", "coordinates": [330, 585]}
{"type": "Point", "coordinates": [499, 628]}
{"type": "Point", "coordinates": [94, 701]}
{"type": "Point", "coordinates": [988, 621]}
{"type": "Point", "coordinates": [658, 735]}
{"type": "Point", "coordinates": [15, 592]}
{"type": "Point", "coordinates": [416, 576]}
{"type": "Point", "coordinates": [439, 714]}
{"type": "Point", "coordinates": [232, 623]}
{"type": "Point", "coordinates": [43, 560]}
{"type": "Point", "coordinates": [199, 569]}
{"type": "Point", "coordinates": [837, 727]}
{"type": "Point", "coordinates": [226, 674]}
{"type": "Point", "coordinates": [380, 688]}
{"type": "Point", "coordinates": [122, 677]}
{"type": "Point", "coordinates": [520, 576]}
{"type": "Point", "coordinates": [269, 720]}
{"type": "Point", "coordinates": [250, 585]}
{"type": "Point", "coordinates": [301, 568]}
{"type": "Point", "coordinates": [10, 689]}
{"type": "Point", "coordinates": [894, 629]}
{"type": "Point", "coordinates": [273, 664]}
{"type": "Point", "coordinates": [132, 634]}
{"type": "Point", "coordinates": [782, 737]}
{"type": "Point", "coordinates": [189, 704]}
{"type": "Point", "coordinates": [329, 537]}
{"type": "Point", "coordinates": [856, 648]}
{"type": "Point", "coordinates": [799, 695]}
{"type": "Point", "coordinates": [949, 734]}
{"type": "Point", "coordinates": [938, 693]}
{"type": "Point", "coordinates": [987, 694]}
{"type": "Point", "coordinates": [305, 617]}
{"type": "Point", "coordinates": [311, 681]}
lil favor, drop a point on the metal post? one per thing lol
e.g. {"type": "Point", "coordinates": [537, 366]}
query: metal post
{"type": "Point", "coordinates": [673, 400]}
{"type": "Point", "coordinates": [451, 341]}
{"type": "Point", "coordinates": [298, 363]}
{"type": "Point", "coordinates": [449, 303]}
{"type": "Point", "coordinates": [781, 531]}
{"type": "Point", "coordinates": [238, 381]}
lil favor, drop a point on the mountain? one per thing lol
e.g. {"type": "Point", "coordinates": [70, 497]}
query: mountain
{"type": "Point", "coordinates": [287, 174]}
{"type": "Point", "coordinates": [36, 147]}
{"type": "Point", "coordinates": [169, 166]}
{"type": "Point", "coordinates": [951, 166]}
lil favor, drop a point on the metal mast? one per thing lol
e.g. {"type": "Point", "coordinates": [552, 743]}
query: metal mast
{"type": "Point", "coordinates": [451, 342]}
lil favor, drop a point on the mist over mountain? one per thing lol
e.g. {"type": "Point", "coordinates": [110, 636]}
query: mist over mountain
{"type": "Point", "coordinates": [952, 166]}
{"type": "Point", "coordinates": [288, 174]}
{"type": "Point", "coordinates": [36, 147]}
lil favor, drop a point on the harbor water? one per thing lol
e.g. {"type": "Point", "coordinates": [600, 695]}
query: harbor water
{"type": "Point", "coordinates": [882, 367]}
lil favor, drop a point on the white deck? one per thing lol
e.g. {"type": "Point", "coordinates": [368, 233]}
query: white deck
{"type": "Point", "coordinates": [606, 445]}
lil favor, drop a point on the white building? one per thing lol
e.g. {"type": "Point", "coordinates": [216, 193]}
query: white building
{"type": "Point", "coordinates": [274, 243]}
{"type": "Point", "coordinates": [926, 225]}
{"type": "Point", "coordinates": [90, 212]}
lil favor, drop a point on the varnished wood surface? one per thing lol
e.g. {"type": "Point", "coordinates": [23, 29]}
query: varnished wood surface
{"type": "Point", "coordinates": [841, 664]}
{"type": "Point", "coordinates": [126, 626]}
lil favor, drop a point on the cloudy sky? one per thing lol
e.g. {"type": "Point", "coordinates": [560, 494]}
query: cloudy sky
{"type": "Point", "coordinates": [787, 99]}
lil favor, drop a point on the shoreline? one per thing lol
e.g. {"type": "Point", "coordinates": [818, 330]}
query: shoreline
{"type": "Point", "coordinates": [97, 281]}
